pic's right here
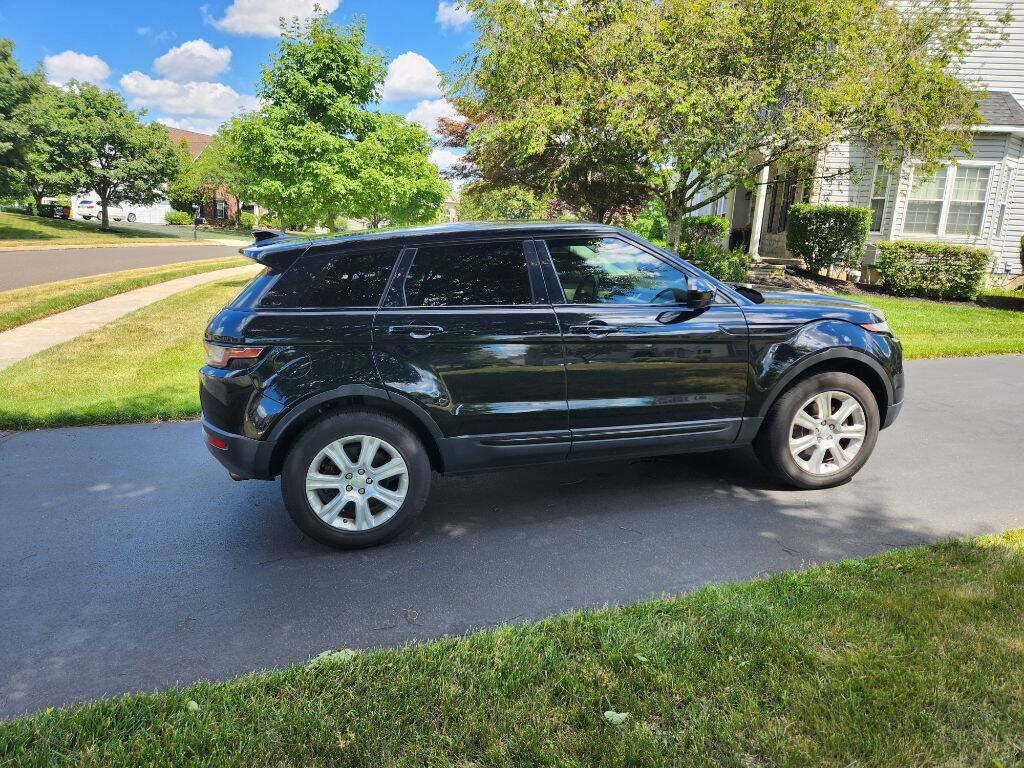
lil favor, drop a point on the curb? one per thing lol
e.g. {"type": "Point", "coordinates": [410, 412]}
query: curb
{"type": "Point", "coordinates": [143, 243]}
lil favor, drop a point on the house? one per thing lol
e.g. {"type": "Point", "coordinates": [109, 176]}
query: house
{"type": "Point", "coordinates": [974, 200]}
{"type": "Point", "coordinates": [220, 207]}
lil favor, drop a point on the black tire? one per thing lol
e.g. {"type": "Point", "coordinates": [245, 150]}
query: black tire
{"type": "Point", "coordinates": [772, 443]}
{"type": "Point", "coordinates": [326, 431]}
{"type": "Point", "coordinates": [131, 218]}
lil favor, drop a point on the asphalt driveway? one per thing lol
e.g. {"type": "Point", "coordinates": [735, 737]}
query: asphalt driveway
{"type": "Point", "coordinates": [33, 266]}
{"type": "Point", "coordinates": [129, 561]}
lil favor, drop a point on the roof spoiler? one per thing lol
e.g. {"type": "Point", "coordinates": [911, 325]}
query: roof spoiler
{"type": "Point", "coordinates": [262, 249]}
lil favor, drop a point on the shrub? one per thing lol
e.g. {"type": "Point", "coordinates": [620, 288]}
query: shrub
{"type": "Point", "coordinates": [246, 220]}
{"type": "Point", "coordinates": [932, 270]}
{"type": "Point", "coordinates": [701, 230]}
{"type": "Point", "coordinates": [727, 265]}
{"type": "Point", "coordinates": [826, 236]}
{"type": "Point", "coordinates": [270, 221]}
{"type": "Point", "coordinates": [178, 217]}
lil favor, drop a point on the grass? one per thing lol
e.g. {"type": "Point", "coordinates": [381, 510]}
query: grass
{"type": "Point", "coordinates": [140, 367]}
{"type": "Point", "coordinates": [1013, 293]}
{"type": "Point", "coordinates": [907, 658]}
{"type": "Point", "coordinates": [937, 329]}
{"type": "Point", "coordinates": [23, 305]}
{"type": "Point", "coordinates": [19, 229]}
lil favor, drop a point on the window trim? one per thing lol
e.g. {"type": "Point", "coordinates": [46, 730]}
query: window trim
{"type": "Point", "coordinates": [558, 297]}
{"type": "Point", "coordinates": [884, 198]}
{"type": "Point", "coordinates": [947, 199]}
{"type": "Point", "coordinates": [394, 293]}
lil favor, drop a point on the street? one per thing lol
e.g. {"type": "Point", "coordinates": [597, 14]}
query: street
{"type": "Point", "coordinates": [130, 561]}
{"type": "Point", "coordinates": [30, 266]}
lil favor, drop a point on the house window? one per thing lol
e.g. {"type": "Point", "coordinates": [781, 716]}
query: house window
{"type": "Point", "coordinates": [950, 203]}
{"type": "Point", "coordinates": [968, 204]}
{"type": "Point", "coordinates": [879, 193]}
{"type": "Point", "coordinates": [220, 208]}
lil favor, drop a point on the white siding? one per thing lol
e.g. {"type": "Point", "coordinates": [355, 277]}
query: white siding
{"type": "Point", "coordinates": [1000, 68]}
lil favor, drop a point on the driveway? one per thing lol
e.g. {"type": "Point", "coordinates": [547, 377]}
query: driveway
{"type": "Point", "coordinates": [29, 267]}
{"type": "Point", "coordinates": [130, 561]}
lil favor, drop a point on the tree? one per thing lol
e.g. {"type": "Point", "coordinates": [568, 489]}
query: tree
{"type": "Point", "coordinates": [477, 202]}
{"type": "Point", "coordinates": [299, 150]}
{"type": "Point", "coordinates": [121, 159]}
{"type": "Point", "coordinates": [212, 171]}
{"type": "Point", "coordinates": [397, 182]}
{"type": "Point", "coordinates": [17, 90]}
{"type": "Point", "coordinates": [49, 171]}
{"type": "Point", "coordinates": [184, 191]}
{"type": "Point", "coordinates": [693, 97]}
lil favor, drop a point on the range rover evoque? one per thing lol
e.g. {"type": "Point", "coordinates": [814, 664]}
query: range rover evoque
{"type": "Point", "coordinates": [354, 367]}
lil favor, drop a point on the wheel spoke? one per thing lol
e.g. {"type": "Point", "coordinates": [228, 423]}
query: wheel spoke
{"type": "Point", "coordinates": [394, 467]}
{"type": "Point", "coordinates": [848, 407]}
{"type": "Point", "coordinates": [367, 451]}
{"type": "Point", "coordinates": [319, 482]}
{"type": "Point", "coordinates": [363, 518]}
{"type": "Point", "coordinates": [851, 431]}
{"type": "Point", "coordinates": [805, 420]}
{"type": "Point", "coordinates": [336, 453]}
{"type": "Point", "coordinates": [329, 512]}
{"type": "Point", "coordinates": [814, 463]}
{"type": "Point", "coordinates": [801, 444]}
{"type": "Point", "coordinates": [389, 498]}
{"type": "Point", "coordinates": [841, 456]}
{"type": "Point", "coordinates": [823, 403]}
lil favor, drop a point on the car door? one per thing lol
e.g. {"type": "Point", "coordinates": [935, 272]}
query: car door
{"type": "Point", "coordinates": [466, 334]}
{"type": "Point", "coordinates": [643, 371]}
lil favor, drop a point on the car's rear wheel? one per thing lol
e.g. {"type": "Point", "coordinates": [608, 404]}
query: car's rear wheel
{"type": "Point", "coordinates": [820, 432]}
{"type": "Point", "coordinates": [355, 479]}
{"type": "Point", "coordinates": [131, 217]}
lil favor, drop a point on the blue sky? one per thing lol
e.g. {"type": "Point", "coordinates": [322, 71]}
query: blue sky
{"type": "Point", "coordinates": [192, 63]}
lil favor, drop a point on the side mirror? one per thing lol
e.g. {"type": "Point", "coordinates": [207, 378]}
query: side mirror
{"type": "Point", "coordinates": [700, 294]}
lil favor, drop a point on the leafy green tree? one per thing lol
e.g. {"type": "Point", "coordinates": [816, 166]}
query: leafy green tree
{"type": "Point", "coordinates": [213, 171]}
{"type": "Point", "coordinates": [693, 97]}
{"type": "Point", "coordinates": [120, 159]}
{"type": "Point", "coordinates": [397, 183]}
{"type": "Point", "coordinates": [477, 202]}
{"type": "Point", "coordinates": [48, 172]}
{"type": "Point", "coordinates": [184, 191]}
{"type": "Point", "coordinates": [17, 90]}
{"type": "Point", "coordinates": [299, 150]}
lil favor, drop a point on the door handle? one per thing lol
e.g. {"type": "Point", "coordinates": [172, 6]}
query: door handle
{"type": "Point", "coordinates": [594, 328]}
{"type": "Point", "coordinates": [416, 331]}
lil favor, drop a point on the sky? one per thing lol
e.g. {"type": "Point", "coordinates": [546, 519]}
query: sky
{"type": "Point", "coordinates": [193, 63]}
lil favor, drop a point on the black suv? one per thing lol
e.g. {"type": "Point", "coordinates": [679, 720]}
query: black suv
{"type": "Point", "coordinates": [355, 366]}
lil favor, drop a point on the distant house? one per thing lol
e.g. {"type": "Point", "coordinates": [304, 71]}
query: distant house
{"type": "Point", "coordinates": [976, 200]}
{"type": "Point", "coordinates": [220, 207]}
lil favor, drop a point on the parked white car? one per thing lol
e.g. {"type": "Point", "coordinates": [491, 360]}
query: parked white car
{"type": "Point", "coordinates": [88, 209]}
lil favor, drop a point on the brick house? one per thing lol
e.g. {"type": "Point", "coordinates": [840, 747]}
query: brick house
{"type": "Point", "coordinates": [219, 207]}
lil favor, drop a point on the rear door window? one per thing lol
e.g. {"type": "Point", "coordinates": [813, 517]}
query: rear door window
{"type": "Point", "coordinates": [469, 274]}
{"type": "Point", "coordinates": [338, 279]}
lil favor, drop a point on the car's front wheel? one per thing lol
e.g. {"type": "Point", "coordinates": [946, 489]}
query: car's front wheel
{"type": "Point", "coordinates": [131, 218]}
{"type": "Point", "coordinates": [355, 479]}
{"type": "Point", "coordinates": [820, 432]}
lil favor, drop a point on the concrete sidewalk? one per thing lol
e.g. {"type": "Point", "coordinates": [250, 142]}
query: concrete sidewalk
{"type": "Point", "coordinates": [18, 343]}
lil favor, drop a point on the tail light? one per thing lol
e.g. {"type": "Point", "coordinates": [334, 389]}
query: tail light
{"type": "Point", "coordinates": [220, 356]}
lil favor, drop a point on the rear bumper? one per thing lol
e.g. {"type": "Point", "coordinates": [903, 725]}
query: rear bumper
{"type": "Point", "coordinates": [245, 458]}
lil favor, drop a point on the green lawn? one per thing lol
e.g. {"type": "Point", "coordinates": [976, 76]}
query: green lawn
{"type": "Point", "coordinates": [19, 229]}
{"type": "Point", "coordinates": [911, 658]}
{"type": "Point", "coordinates": [22, 305]}
{"type": "Point", "coordinates": [934, 329]}
{"type": "Point", "coordinates": [140, 367]}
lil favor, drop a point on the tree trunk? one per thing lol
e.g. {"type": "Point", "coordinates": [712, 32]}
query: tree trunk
{"type": "Point", "coordinates": [37, 195]}
{"type": "Point", "coordinates": [674, 228]}
{"type": "Point", "coordinates": [105, 219]}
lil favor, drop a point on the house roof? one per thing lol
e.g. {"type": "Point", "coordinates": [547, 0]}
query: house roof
{"type": "Point", "coordinates": [196, 141]}
{"type": "Point", "coordinates": [1000, 108]}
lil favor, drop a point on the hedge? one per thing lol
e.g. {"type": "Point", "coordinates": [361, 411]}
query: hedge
{"type": "Point", "coordinates": [727, 265]}
{"type": "Point", "coordinates": [178, 217]}
{"type": "Point", "coordinates": [932, 270]}
{"type": "Point", "coordinates": [246, 220]}
{"type": "Point", "coordinates": [828, 235]}
{"type": "Point", "coordinates": [701, 230]}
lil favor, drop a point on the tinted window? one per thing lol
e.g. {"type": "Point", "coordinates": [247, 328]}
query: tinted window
{"type": "Point", "coordinates": [466, 274]}
{"type": "Point", "coordinates": [333, 280]}
{"type": "Point", "coordinates": [606, 270]}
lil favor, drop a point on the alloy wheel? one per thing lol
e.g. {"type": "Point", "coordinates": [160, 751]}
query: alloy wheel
{"type": "Point", "coordinates": [357, 482]}
{"type": "Point", "coordinates": [827, 432]}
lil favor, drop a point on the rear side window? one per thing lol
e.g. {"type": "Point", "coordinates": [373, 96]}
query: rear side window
{"type": "Point", "coordinates": [467, 274]}
{"type": "Point", "coordinates": [326, 280]}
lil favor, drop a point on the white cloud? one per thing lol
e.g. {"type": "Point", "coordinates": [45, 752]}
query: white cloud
{"type": "Point", "coordinates": [411, 76]}
{"type": "Point", "coordinates": [195, 99]}
{"type": "Point", "coordinates": [427, 112]}
{"type": "Point", "coordinates": [71, 65]}
{"type": "Point", "coordinates": [453, 15]}
{"type": "Point", "coordinates": [444, 159]}
{"type": "Point", "coordinates": [263, 17]}
{"type": "Point", "coordinates": [198, 124]}
{"type": "Point", "coordinates": [191, 61]}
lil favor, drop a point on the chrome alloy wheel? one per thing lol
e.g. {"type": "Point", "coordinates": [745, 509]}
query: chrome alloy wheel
{"type": "Point", "coordinates": [827, 432]}
{"type": "Point", "coordinates": [357, 482]}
